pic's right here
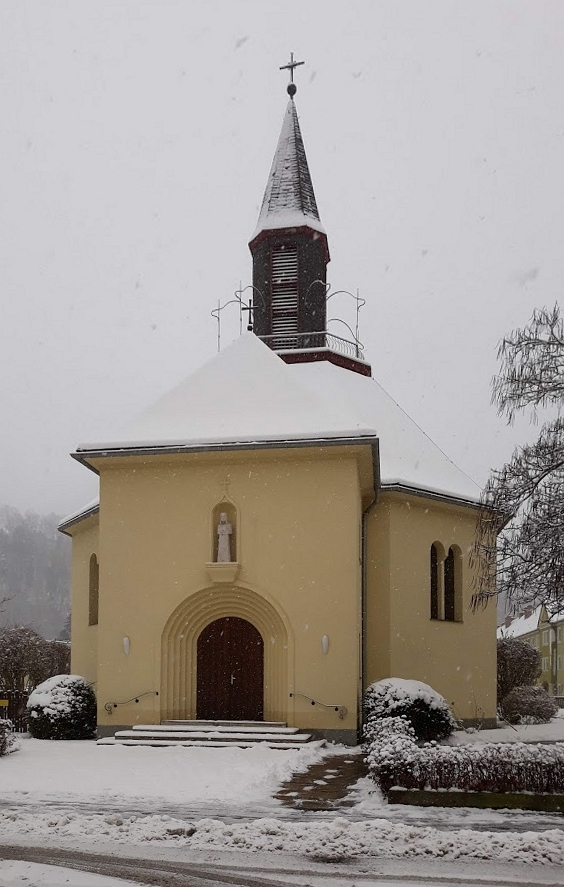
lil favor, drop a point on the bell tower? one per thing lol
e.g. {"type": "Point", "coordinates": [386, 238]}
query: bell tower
{"type": "Point", "coordinates": [289, 246]}
{"type": "Point", "coordinates": [290, 256]}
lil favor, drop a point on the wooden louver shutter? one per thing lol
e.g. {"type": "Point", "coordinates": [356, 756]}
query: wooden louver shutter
{"type": "Point", "coordinates": [284, 296]}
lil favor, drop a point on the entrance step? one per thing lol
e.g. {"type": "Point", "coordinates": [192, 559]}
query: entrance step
{"type": "Point", "coordinates": [213, 734]}
{"type": "Point", "coordinates": [256, 726]}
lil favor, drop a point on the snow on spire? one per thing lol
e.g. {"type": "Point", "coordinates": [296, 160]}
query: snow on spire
{"type": "Point", "coordinates": [289, 200]}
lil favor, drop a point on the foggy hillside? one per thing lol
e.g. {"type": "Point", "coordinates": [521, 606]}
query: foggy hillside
{"type": "Point", "coordinates": [34, 571]}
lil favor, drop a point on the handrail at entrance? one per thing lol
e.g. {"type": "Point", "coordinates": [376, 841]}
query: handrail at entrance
{"type": "Point", "coordinates": [341, 709]}
{"type": "Point", "coordinates": [109, 706]}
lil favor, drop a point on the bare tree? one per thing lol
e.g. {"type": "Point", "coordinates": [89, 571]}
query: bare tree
{"type": "Point", "coordinates": [27, 659]}
{"type": "Point", "coordinates": [524, 500]}
{"type": "Point", "coordinates": [532, 365]}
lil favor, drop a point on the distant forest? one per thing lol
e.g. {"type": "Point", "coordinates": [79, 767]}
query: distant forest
{"type": "Point", "coordinates": [34, 572]}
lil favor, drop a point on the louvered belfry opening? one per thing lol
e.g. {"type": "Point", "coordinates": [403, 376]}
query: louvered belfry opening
{"type": "Point", "coordinates": [289, 273]}
{"type": "Point", "coordinates": [284, 296]}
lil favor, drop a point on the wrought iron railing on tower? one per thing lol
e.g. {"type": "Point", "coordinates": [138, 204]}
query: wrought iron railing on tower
{"type": "Point", "coordinates": [280, 342]}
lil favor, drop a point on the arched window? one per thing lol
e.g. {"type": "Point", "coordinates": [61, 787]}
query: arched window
{"type": "Point", "coordinates": [445, 573]}
{"type": "Point", "coordinates": [93, 590]}
{"type": "Point", "coordinates": [449, 586]}
{"type": "Point", "coordinates": [453, 585]}
{"type": "Point", "coordinates": [434, 582]}
{"type": "Point", "coordinates": [437, 557]}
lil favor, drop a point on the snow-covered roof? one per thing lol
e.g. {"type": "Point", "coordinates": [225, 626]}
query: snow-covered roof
{"type": "Point", "coordinates": [87, 510]}
{"type": "Point", "coordinates": [247, 394]}
{"type": "Point", "coordinates": [289, 200]}
{"type": "Point", "coordinates": [520, 625]}
{"type": "Point", "coordinates": [243, 394]}
{"type": "Point", "coordinates": [408, 457]}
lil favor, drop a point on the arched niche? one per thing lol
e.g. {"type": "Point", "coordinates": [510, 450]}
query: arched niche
{"type": "Point", "coordinates": [230, 510]}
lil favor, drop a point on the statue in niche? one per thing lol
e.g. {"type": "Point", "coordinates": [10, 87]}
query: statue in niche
{"type": "Point", "coordinates": [224, 531]}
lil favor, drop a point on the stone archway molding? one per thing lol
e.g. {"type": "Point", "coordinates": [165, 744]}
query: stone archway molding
{"type": "Point", "coordinates": [179, 648]}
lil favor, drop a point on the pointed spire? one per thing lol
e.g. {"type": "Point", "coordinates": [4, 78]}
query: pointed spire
{"type": "Point", "coordinates": [289, 199]}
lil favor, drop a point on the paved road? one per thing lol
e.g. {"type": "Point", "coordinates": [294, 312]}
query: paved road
{"type": "Point", "coordinates": [380, 873]}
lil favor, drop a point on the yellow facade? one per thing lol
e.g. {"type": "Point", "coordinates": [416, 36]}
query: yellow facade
{"type": "Point", "coordinates": [457, 658]}
{"type": "Point", "coordinates": [302, 573]}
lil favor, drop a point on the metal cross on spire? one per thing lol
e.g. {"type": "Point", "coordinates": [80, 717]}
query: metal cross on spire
{"type": "Point", "coordinates": [292, 88]}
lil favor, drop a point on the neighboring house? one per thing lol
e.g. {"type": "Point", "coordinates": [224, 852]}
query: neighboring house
{"type": "Point", "coordinates": [276, 533]}
{"type": "Point", "coordinates": [543, 629]}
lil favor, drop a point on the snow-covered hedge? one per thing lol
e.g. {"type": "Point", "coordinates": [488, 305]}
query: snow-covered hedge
{"type": "Point", "coordinates": [63, 707]}
{"type": "Point", "coordinates": [8, 740]}
{"type": "Point", "coordinates": [528, 705]}
{"type": "Point", "coordinates": [424, 708]}
{"type": "Point", "coordinates": [395, 759]}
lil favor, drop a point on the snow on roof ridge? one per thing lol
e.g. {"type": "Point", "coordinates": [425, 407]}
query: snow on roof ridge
{"type": "Point", "coordinates": [243, 394]}
{"type": "Point", "coordinates": [520, 625]}
{"type": "Point", "coordinates": [429, 438]}
{"type": "Point", "coordinates": [247, 395]}
{"type": "Point", "coordinates": [400, 458]}
{"type": "Point", "coordinates": [90, 506]}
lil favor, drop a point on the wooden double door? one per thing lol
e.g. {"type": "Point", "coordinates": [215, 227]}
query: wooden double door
{"type": "Point", "coordinates": [230, 671]}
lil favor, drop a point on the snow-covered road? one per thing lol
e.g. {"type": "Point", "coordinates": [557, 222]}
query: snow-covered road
{"type": "Point", "coordinates": [167, 867]}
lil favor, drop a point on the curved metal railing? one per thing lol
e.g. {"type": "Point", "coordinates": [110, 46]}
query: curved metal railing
{"type": "Point", "coordinates": [303, 341]}
{"type": "Point", "coordinates": [109, 706]}
{"type": "Point", "coordinates": [341, 709]}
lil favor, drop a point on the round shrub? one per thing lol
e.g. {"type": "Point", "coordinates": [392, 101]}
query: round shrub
{"type": "Point", "coordinates": [63, 707]}
{"type": "Point", "coordinates": [528, 705]}
{"type": "Point", "coordinates": [424, 708]}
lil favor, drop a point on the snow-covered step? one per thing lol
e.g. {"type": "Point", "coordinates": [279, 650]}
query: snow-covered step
{"type": "Point", "coordinates": [229, 736]}
{"type": "Point", "coordinates": [218, 727]}
{"type": "Point", "coordinates": [213, 734]}
{"type": "Point", "coordinates": [156, 743]}
{"type": "Point", "coordinates": [255, 725]}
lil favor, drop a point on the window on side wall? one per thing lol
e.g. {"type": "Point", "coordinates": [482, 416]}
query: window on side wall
{"type": "Point", "coordinates": [445, 574]}
{"type": "Point", "coordinates": [93, 590]}
{"type": "Point", "coordinates": [453, 585]}
{"type": "Point", "coordinates": [435, 583]}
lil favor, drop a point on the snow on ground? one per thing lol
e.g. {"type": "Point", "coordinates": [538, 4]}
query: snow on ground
{"type": "Point", "coordinates": [551, 732]}
{"type": "Point", "coordinates": [335, 839]}
{"type": "Point", "coordinates": [82, 770]}
{"type": "Point", "coordinates": [80, 793]}
{"type": "Point", "coordinates": [14, 873]}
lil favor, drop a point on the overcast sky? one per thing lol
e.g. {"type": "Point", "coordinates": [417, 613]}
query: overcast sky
{"type": "Point", "coordinates": [135, 143]}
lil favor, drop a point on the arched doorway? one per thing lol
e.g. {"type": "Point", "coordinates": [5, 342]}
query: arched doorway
{"type": "Point", "coordinates": [230, 671]}
{"type": "Point", "coordinates": [178, 690]}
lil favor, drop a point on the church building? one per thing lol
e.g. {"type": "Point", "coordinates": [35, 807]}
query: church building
{"type": "Point", "coordinates": [275, 534]}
